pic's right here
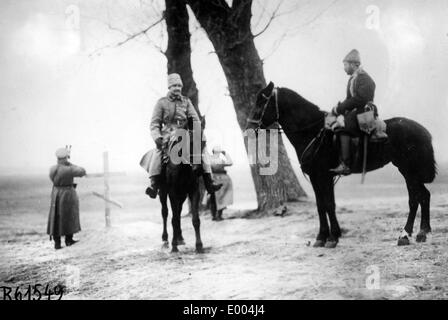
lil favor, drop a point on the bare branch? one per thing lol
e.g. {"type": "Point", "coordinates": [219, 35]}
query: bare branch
{"type": "Point", "coordinates": [273, 16]}
{"type": "Point", "coordinates": [317, 16]}
{"type": "Point", "coordinates": [156, 46]}
{"type": "Point", "coordinates": [294, 31]}
{"type": "Point", "coordinates": [275, 46]}
{"type": "Point", "coordinates": [108, 24]}
{"type": "Point", "coordinates": [128, 38]}
{"type": "Point", "coordinates": [261, 15]}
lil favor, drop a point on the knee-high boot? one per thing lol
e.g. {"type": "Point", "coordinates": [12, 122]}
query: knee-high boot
{"type": "Point", "coordinates": [213, 207]}
{"type": "Point", "coordinates": [210, 185]}
{"type": "Point", "coordinates": [69, 240]}
{"type": "Point", "coordinates": [57, 242]}
{"type": "Point", "coordinates": [344, 166]}
{"type": "Point", "coordinates": [153, 188]}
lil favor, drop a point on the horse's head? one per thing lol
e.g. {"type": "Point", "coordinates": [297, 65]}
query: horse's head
{"type": "Point", "coordinates": [265, 112]}
{"type": "Point", "coordinates": [185, 139]}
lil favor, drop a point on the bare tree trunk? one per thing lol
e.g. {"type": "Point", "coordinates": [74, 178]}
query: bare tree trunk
{"type": "Point", "coordinates": [228, 28]}
{"type": "Point", "coordinates": [178, 52]}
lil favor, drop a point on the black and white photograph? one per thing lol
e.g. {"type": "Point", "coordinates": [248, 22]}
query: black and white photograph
{"type": "Point", "coordinates": [215, 150]}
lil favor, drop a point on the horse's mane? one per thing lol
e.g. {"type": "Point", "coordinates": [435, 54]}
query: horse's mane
{"type": "Point", "coordinates": [296, 99]}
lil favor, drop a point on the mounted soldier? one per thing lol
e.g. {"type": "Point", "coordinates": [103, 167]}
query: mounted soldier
{"type": "Point", "coordinates": [360, 93]}
{"type": "Point", "coordinates": [170, 113]}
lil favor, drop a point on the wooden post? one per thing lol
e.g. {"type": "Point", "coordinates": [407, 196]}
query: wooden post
{"type": "Point", "coordinates": [106, 186]}
{"type": "Point", "coordinates": [106, 196]}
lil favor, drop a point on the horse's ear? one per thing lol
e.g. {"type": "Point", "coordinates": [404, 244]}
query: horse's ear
{"type": "Point", "coordinates": [269, 88]}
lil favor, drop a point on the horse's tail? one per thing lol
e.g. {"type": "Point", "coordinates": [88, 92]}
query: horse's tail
{"type": "Point", "coordinates": [416, 149]}
{"type": "Point", "coordinates": [428, 170]}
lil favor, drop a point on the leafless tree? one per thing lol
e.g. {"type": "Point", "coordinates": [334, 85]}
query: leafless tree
{"type": "Point", "coordinates": [228, 25]}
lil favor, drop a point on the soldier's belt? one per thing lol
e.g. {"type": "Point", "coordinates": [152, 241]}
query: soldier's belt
{"type": "Point", "coordinates": [176, 124]}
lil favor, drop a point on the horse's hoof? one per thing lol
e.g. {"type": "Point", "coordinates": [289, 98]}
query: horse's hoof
{"type": "Point", "coordinates": [403, 241]}
{"type": "Point", "coordinates": [199, 248]}
{"type": "Point", "coordinates": [181, 242]}
{"type": "Point", "coordinates": [330, 244]}
{"type": "Point", "coordinates": [319, 244]}
{"type": "Point", "coordinates": [421, 237]}
{"type": "Point", "coordinates": [174, 250]}
{"type": "Point", "coordinates": [165, 245]}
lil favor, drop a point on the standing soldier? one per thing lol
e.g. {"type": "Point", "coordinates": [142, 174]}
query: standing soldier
{"type": "Point", "coordinates": [224, 196]}
{"type": "Point", "coordinates": [63, 219]}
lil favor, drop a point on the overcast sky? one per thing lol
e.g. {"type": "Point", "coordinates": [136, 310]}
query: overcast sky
{"type": "Point", "coordinates": [52, 93]}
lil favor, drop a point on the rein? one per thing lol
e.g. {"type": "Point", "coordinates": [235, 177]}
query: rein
{"type": "Point", "coordinates": [259, 122]}
{"type": "Point", "coordinates": [317, 137]}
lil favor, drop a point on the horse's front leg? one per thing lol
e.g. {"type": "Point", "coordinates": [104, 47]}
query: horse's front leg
{"type": "Point", "coordinates": [194, 199]}
{"type": "Point", "coordinates": [324, 230]}
{"type": "Point", "coordinates": [330, 207]}
{"type": "Point", "coordinates": [163, 201]}
{"type": "Point", "coordinates": [175, 221]}
{"type": "Point", "coordinates": [180, 237]}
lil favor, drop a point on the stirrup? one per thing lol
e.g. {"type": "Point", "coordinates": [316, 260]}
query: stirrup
{"type": "Point", "coordinates": [341, 169]}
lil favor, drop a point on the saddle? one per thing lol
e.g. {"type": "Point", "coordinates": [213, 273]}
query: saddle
{"type": "Point", "coordinates": [186, 158]}
{"type": "Point", "coordinates": [367, 148]}
{"type": "Point", "coordinates": [368, 121]}
{"type": "Point", "coordinates": [370, 124]}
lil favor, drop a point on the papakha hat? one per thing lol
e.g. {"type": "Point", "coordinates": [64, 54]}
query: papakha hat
{"type": "Point", "coordinates": [174, 78]}
{"type": "Point", "coordinates": [217, 148]}
{"type": "Point", "coordinates": [62, 153]}
{"type": "Point", "coordinates": [353, 56]}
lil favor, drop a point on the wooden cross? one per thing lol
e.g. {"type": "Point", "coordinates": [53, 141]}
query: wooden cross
{"type": "Point", "coordinates": [106, 196]}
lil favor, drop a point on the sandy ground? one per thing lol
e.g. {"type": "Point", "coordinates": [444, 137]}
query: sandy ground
{"type": "Point", "coordinates": [245, 258]}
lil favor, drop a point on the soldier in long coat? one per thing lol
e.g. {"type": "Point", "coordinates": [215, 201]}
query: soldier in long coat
{"type": "Point", "coordinates": [360, 91]}
{"type": "Point", "coordinates": [172, 112]}
{"type": "Point", "coordinates": [63, 219]}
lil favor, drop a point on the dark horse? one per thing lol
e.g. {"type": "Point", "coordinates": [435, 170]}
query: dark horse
{"type": "Point", "coordinates": [408, 147]}
{"type": "Point", "coordinates": [179, 182]}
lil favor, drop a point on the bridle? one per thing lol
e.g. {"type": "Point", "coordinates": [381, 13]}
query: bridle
{"type": "Point", "coordinates": [259, 122]}
{"type": "Point", "coordinates": [316, 139]}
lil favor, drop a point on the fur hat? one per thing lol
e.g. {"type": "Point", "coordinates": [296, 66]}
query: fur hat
{"type": "Point", "coordinates": [174, 78]}
{"type": "Point", "coordinates": [353, 56]}
{"type": "Point", "coordinates": [217, 149]}
{"type": "Point", "coordinates": [62, 153]}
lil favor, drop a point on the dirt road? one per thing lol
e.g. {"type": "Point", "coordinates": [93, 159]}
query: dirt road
{"type": "Point", "coordinates": [264, 258]}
